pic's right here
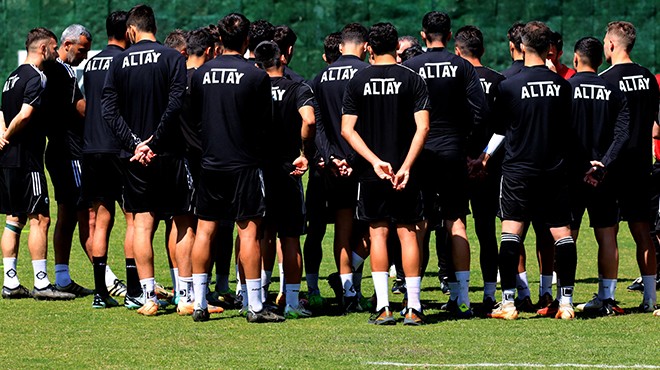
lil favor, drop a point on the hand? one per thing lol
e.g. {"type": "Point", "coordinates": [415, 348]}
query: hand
{"type": "Point", "coordinates": [595, 174]}
{"type": "Point", "coordinates": [143, 153]}
{"type": "Point", "coordinates": [341, 167]}
{"type": "Point", "coordinates": [476, 168]}
{"type": "Point", "coordinates": [301, 166]}
{"type": "Point", "coordinates": [401, 179]}
{"type": "Point", "coordinates": [321, 163]}
{"type": "Point", "coordinates": [3, 141]}
{"type": "Point", "coordinates": [384, 171]}
{"type": "Point", "coordinates": [550, 65]}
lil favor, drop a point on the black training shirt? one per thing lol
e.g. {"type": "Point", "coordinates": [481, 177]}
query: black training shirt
{"type": "Point", "coordinates": [534, 107]}
{"type": "Point", "coordinates": [456, 96]}
{"type": "Point", "coordinates": [233, 100]}
{"type": "Point", "coordinates": [24, 85]}
{"type": "Point", "coordinates": [329, 87]}
{"type": "Point", "coordinates": [600, 120]}
{"type": "Point", "coordinates": [143, 94]}
{"type": "Point", "coordinates": [385, 98]}
{"type": "Point", "coordinates": [515, 68]}
{"type": "Point", "coordinates": [98, 137]}
{"type": "Point", "coordinates": [288, 97]}
{"type": "Point", "coordinates": [479, 137]}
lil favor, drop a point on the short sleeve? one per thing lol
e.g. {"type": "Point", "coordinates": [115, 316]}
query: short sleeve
{"type": "Point", "coordinates": [304, 96]}
{"type": "Point", "coordinates": [421, 94]}
{"type": "Point", "coordinates": [350, 101]}
{"type": "Point", "coordinates": [33, 90]}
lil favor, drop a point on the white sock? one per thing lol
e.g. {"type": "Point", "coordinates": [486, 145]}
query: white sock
{"type": "Point", "coordinates": [649, 288]}
{"type": "Point", "coordinates": [174, 274]}
{"type": "Point", "coordinates": [356, 261]}
{"type": "Point", "coordinates": [200, 283]}
{"type": "Point", "coordinates": [40, 274]}
{"type": "Point", "coordinates": [522, 285]}
{"type": "Point", "coordinates": [254, 294]}
{"type": "Point", "coordinates": [282, 282]}
{"type": "Point", "coordinates": [545, 286]}
{"type": "Point", "coordinates": [453, 290]}
{"type": "Point", "coordinates": [609, 288]}
{"type": "Point", "coordinates": [463, 279]}
{"type": "Point", "coordinates": [566, 295]}
{"type": "Point", "coordinates": [221, 283]}
{"type": "Point", "coordinates": [489, 290]}
{"type": "Point", "coordinates": [265, 282]}
{"type": "Point", "coordinates": [110, 276]}
{"type": "Point", "coordinates": [62, 276]}
{"type": "Point", "coordinates": [244, 295]}
{"type": "Point", "coordinates": [292, 291]}
{"type": "Point", "coordinates": [413, 287]}
{"type": "Point", "coordinates": [380, 286]}
{"type": "Point", "coordinates": [312, 283]}
{"type": "Point", "coordinates": [11, 276]}
{"type": "Point", "coordinates": [185, 287]}
{"type": "Point", "coordinates": [347, 284]}
{"type": "Point", "coordinates": [357, 282]}
{"type": "Point", "coordinates": [507, 295]}
{"type": "Point", "coordinates": [148, 288]}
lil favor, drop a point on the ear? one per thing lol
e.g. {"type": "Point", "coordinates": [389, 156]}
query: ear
{"type": "Point", "coordinates": [575, 60]}
{"type": "Point", "coordinates": [341, 48]}
{"type": "Point", "coordinates": [423, 34]}
{"type": "Point", "coordinates": [449, 36]}
{"type": "Point", "coordinates": [457, 51]}
{"type": "Point", "coordinates": [324, 58]}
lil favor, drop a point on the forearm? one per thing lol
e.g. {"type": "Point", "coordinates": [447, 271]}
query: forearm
{"type": "Point", "coordinates": [417, 144]}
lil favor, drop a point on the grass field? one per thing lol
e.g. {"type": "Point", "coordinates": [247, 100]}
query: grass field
{"type": "Point", "coordinates": [61, 335]}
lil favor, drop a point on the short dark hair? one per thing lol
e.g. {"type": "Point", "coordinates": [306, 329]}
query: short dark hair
{"type": "Point", "coordinates": [215, 34]}
{"type": "Point", "coordinates": [267, 54]}
{"type": "Point", "coordinates": [590, 51]}
{"type": "Point", "coordinates": [284, 37]}
{"type": "Point", "coordinates": [331, 47]}
{"type": "Point", "coordinates": [411, 39]}
{"type": "Point", "coordinates": [355, 33]}
{"type": "Point", "coordinates": [436, 25]}
{"type": "Point", "coordinates": [514, 34]}
{"type": "Point", "coordinates": [197, 41]}
{"type": "Point", "coordinates": [383, 38]}
{"type": "Point", "coordinates": [115, 25]}
{"type": "Point", "coordinates": [143, 18]}
{"type": "Point", "coordinates": [176, 40]}
{"type": "Point", "coordinates": [38, 34]}
{"type": "Point", "coordinates": [557, 41]}
{"type": "Point", "coordinates": [625, 32]}
{"type": "Point", "coordinates": [536, 36]}
{"type": "Point", "coordinates": [470, 41]}
{"type": "Point", "coordinates": [234, 29]}
{"type": "Point", "coordinates": [260, 30]}
{"type": "Point", "coordinates": [411, 52]}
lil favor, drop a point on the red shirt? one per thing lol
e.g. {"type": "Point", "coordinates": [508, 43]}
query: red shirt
{"type": "Point", "coordinates": [565, 71]}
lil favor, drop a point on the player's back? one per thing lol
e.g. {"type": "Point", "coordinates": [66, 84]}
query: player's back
{"type": "Point", "coordinates": [288, 97]}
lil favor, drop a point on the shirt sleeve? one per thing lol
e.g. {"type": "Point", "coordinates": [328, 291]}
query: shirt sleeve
{"type": "Point", "coordinates": [177, 89]}
{"type": "Point", "coordinates": [33, 90]}
{"type": "Point", "coordinates": [421, 92]}
{"type": "Point", "coordinates": [475, 96]}
{"type": "Point", "coordinates": [111, 114]}
{"type": "Point", "coordinates": [350, 101]}
{"type": "Point", "coordinates": [304, 96]}
{"type": "Point", "coordinates": [621, 131]}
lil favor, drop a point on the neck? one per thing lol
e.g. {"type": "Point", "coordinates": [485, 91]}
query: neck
{"type": "Point", "coordinates": [582, 67]}
{"type": "Point", "coordinates": [474, 61]}
{"type": "Point", "coordinates": [620, 57]}
{"type": "Point", "coordinates": [61, 53]}
{"type": "Point", "coordinates": [354, 50]}
{"type": "Point", "coordinates": [194, 61]}
{"type": "Point", "coordinates": [435, 44]}
{"type": "Point", "coordinates": [36, 60]}
{"type": "Point", "coordinates": [533, 59]}
{"type": "Point", "coordinates": [115, 42]}
{"type": "Point", "coordinates": [385, 59]}
{"type": "Point", "coordinates": [231, 52]}
{"type": "Point", "coordinates": [516, 55]}
{"type": "Point", "coordinates": [140, 36]}
{"type": "Point", "coordinates": [275, 71]}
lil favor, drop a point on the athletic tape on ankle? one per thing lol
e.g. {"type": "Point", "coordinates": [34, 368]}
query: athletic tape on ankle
{"type": "Point", "coordinates": [14, 226]}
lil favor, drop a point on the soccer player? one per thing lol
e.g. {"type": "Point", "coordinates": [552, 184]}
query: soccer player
{"type": "Point", "coordinates": [292, 143]}
{"type": "Point", "coordinates": [554, 56]}
{"type": "Point", "coordinates": [483, 185]}
{"type": "Point", "coordinates": [177, 41]}
{"type": "Point", "coordinates": [385, 120]}
{"type": "Point", "coordinates": [260, 30]}
{"type": "Point", "coordinates": [458, 103]}
{"type": "Point", "coordinates": [534, 106]}
{"type": "Point", "coordinates": [64, 103]}
{"type": "Point", "coordinates": [631, 173]}
{"type": "Point", "coordinates": [233, 99]}
{"type": "Point", "coordinates": [405, 42]}
{"type": "Point", "coordinates": [142, 96]}
{"type": "Point", "coordinates": [102, 170]}
{"type": "Point", "coordinates": [515, 40]}
{"type": "Point", "coordinates": [600, 122]}
{"type": "Point", "coordinates": [331, 50]}
{"type": "Point", "coordinates": [329, 86]}
{"type": "Point", "coordinates": [23, 191]}
{"type": "Point", "coordinates": [285, 39]}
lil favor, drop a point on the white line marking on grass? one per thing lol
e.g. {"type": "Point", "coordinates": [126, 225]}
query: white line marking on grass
{"type": "Point", "coordinates": [524, 364]}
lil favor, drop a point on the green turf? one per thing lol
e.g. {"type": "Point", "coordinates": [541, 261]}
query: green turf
{"type": "Point", "coordinates": [72, 335]}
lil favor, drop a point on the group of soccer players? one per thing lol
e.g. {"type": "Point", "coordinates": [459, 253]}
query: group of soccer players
{"type": "Point", "coordinates": [213, 130]}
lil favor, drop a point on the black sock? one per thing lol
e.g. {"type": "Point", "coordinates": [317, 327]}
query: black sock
{"type": "Point", "coordinates": [132, 279]}
{"type": "Point", "coordinates": [99, 275]}
{"type": "Point", "coordinates": [566, 256]}
{"type": "Point", "coordinates": [508, 261]}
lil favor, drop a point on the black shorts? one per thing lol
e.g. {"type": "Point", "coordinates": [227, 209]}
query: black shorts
{"type": "Point", "coordinates": [164, 187]}
{"type": "Point", "coordinates": [23, 192]}
{"type": "Point", "coordinates": [103, 176]}
{"type": "Point", "coordinates": [542, 198]}
{"type": "Point", "coordinates": [378, 201]}
{"type": "Point", "coordinates": [231, 195]}
{"type": "Point", "coordinates": [632, 184]}
{"type": "Point", "coordinates": [285, 203]}
{"type": "Point", "coordinates": [655, 197]}
{"type": "Point", "coordinates": [316, 202]}
{"type": "Point", "coordinates": [66, 176]}
{"type": "Point", "coordinates": [484, 196]}
{"type": "Point", "coordinates": [445, 187]}
{"type": "Point", "coordinates": [341, 192]}
{"type": "Point", "coordinates": [600, 202]}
